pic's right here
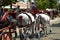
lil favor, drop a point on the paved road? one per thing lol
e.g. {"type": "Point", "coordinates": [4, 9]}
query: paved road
{"type": "Point", "coordinates": [55, 35]}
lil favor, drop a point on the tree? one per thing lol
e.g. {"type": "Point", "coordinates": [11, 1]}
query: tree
{"type": "Point", "coordinates": [8, 2]}
{"type": "Point", "coordinates": [1, 2]}
{"type": "Point", "coordinates": [52, 3]}
{"type": "Point", "coordinates": [43, 4]}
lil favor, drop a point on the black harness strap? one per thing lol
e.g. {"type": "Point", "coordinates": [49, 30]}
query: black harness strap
{"type": "Point", "coordinates": [28, 16]}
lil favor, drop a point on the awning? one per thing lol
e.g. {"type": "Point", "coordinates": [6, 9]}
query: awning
{"type": "Point", "coordinates": [22, 5]}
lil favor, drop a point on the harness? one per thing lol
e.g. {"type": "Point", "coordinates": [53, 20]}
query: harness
{"type": "Point", "coordinates": [28, 16]}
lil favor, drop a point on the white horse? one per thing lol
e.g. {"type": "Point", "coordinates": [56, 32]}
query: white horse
{"type": "Point", "coordinates": [27, 19]}
{"type": "Point", "coordinates": [43, 21]}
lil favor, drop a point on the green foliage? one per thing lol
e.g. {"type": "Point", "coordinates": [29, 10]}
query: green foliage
{"type": "Point", "coordinates": [7, 2]}
{"type": "Point", "coordinates": [43, 4]}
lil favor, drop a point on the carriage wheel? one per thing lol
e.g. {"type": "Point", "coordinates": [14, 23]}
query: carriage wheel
{"type": "Point", "coordinates": [6, 36]}
{"type": "Point", "coordinates": [0, 37]}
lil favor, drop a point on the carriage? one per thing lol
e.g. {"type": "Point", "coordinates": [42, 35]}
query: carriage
{"type": "Point", "coordinates": [26, 20]}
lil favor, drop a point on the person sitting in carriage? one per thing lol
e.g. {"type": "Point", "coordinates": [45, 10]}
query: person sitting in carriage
{"type": "Point", "coordinates": [34, 10]}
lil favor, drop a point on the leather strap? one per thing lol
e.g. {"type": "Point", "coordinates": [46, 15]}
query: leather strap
{"type": "Point", "coordinates": [28, 16]}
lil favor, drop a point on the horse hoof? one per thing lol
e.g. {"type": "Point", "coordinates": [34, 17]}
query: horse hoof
{"type": "Point", "coordinates": [21, 39]}
{"type": "Point", "coordinates": [39, 37]}
{"type": "Point", "coordinates": [50, 31]}
{"type": "Point", "coordinates": [25, 39]}
{"type": "Point", "coordinates": [30, 36]}
{"type": "Point", "coordinates": [45, 35]}
{"type": "Point", "coordinates": [40, 32]}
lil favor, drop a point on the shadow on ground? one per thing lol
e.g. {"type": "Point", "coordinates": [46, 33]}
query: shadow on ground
{"type": "Point", "coordinates": [53, 33]}
{"type": "Point", "coordinates": [55, 25]}
{"type": "Point", "coordinates": [56, 39]}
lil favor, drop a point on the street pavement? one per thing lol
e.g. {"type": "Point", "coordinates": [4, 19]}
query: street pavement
{"type": "Point", "coordinates": [55, 35]}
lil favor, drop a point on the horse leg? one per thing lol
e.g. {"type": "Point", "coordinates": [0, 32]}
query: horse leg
{"type": "Point", "coordinates": [33, 30]}
{"type": "Point", "coordinates": [15, 32]}
{"type": "Point", "coordinates": [21, 35]}
{"type": "Point", "coordinates": [45, 31]}
{"type": "Point", "coordinates": [38, 32]}
{"type": "Point", "coordinates": [30, 30]}
{"type": "Point", "coordinates": [25, 33]}
{"type": "Point", "coordinates": [50, 29]}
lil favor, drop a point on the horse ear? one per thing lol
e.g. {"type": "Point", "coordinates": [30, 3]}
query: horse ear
{"type": "Point", "coordinates": [20, 17]}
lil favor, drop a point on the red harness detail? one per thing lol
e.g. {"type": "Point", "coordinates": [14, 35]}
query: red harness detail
{"type": "Point", "coordinates": [35, 11]}
{"type": "Point", "coordinates": [20, 17]}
